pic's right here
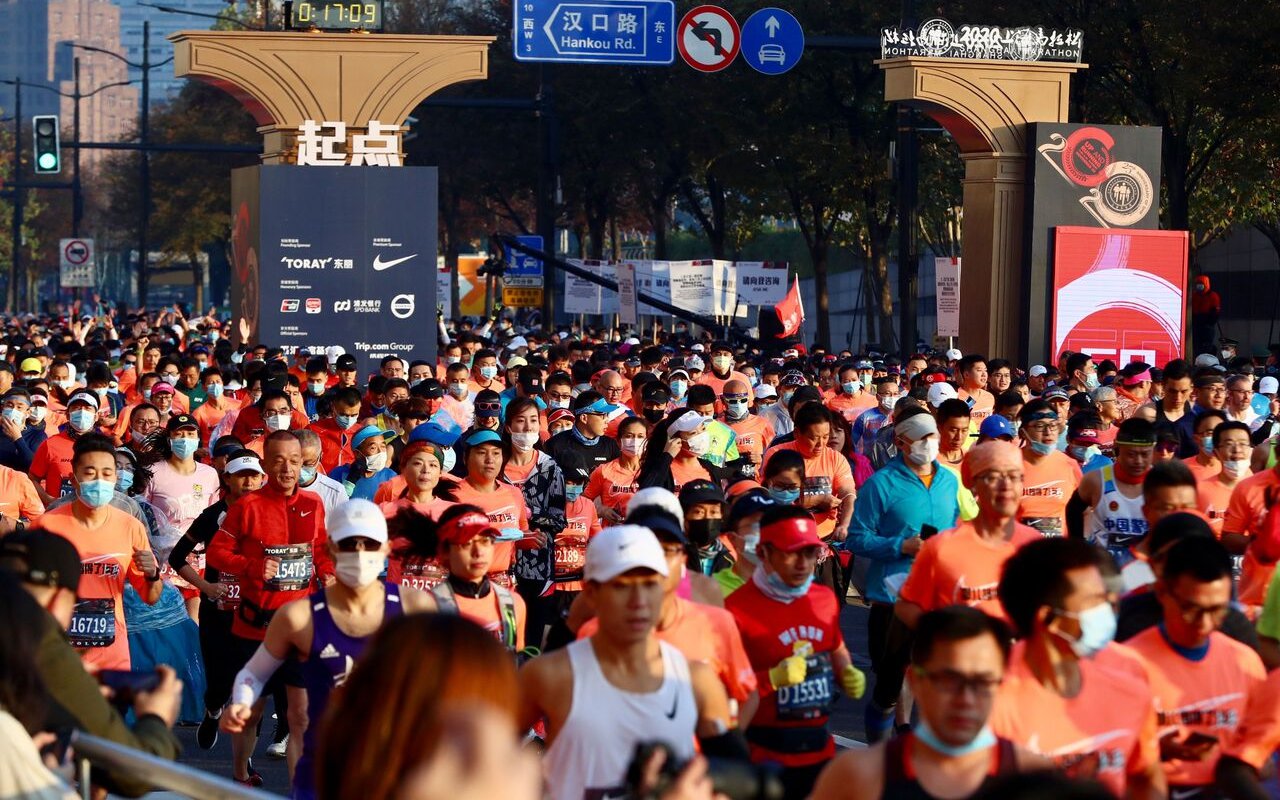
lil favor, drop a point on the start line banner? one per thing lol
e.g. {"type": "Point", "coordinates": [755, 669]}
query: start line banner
{"type": "Point", "coordinates": [709, 287]}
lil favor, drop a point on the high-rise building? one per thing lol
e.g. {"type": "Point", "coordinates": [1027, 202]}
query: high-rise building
{"type": "Point", "coordinates": [132, 15]}
{"type": "Point", "coordinates": [34, 39]}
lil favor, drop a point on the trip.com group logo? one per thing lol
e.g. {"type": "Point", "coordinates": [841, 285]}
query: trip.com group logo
{"type": "Point", "coordinates": [1119, 193]}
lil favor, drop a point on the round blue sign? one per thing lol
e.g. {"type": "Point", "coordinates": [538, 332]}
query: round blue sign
{"type": "Point", "coordinates": [772, 41]}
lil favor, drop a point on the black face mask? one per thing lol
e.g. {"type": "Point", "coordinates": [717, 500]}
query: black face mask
{"type": "Point", "coordinates": [654, 415]}
{"type": "Point", "coordinates": [702, 532]}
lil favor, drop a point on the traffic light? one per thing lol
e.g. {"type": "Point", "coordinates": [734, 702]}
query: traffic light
{"type": "Point", "coordinates": [48, 150]}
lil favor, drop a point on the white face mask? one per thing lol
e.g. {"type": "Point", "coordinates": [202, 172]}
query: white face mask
{"type": "Point", "coordinates": [632, 446]}
{"type": "Point", "coordinates": [699, 443]}
{"type": "Point", "coordinates": [376, 461]}
{"type": "Point", "coordinates": [450, 459]}
{"type": "Point", "coordinates": [279, 422]}
{"type": "Point", "coordinates": [924, 451]}
{"type": "Point", "coordinates": [358, 570]}
{"type": "Point", "coordinates": [1234, 467]}
{"type": "Point", "coordinates": [524, 442]}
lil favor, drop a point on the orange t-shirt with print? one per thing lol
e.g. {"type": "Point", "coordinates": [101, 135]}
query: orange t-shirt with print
{"type": "Point", "coordinates": [1206, 696]}
{"type": "Point", "coordinates": [754, 434]}
{"type": "Point", "coordinates": [1199, 470]}
{"type": "Point", "coordinates": [613, 485]}
{"type": "Point", "coordinates": [98, 628]}
{"type": "Point", "coordinates": [984, 404]}
{"type": "Point", "coordinates": [1105, 733]}
{"type": "Point", "coordinates": [487, 613]}
{"type": "Point", "coordinates": [684, 472]}
{"type": "Point", "coordinates": [825, 472]}
{"type": "Point", "coordinates": [505, 508]}
{"type": "Point", "coordinates": [959, 567]}
{"type": "Point", "coordinates": [580, 525]}
{"type": "Point", "coordinates": [1245, 514]}
{"type": "Point", "coordinates": [1213, 497]}
{"type": "Point", "coordinates": [1046, 488]}
{"type": "Point", "coordinates": [1257, 736]}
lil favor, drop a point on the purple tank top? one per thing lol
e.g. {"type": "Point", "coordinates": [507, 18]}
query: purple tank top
{"type": "Point", "coordinates": [332, 656]}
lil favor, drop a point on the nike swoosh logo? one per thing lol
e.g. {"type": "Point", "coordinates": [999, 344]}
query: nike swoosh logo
{"type": "Point", "coordinates": [379, 265]}
{"type": "Point", "coordinates": [304, 513]}
{"type": "Point", "coordinates": [675, 703]}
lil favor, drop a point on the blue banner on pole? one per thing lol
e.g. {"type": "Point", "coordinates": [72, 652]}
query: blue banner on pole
{"type": "Point", "coordinates": [604, 32]}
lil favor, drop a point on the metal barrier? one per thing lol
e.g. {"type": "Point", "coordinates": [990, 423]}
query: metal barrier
{"type": "Point", "coordinates": [161, 774]}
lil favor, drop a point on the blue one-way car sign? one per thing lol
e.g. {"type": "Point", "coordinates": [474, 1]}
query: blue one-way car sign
{"type": "Point", "coordinates": [601, 32]}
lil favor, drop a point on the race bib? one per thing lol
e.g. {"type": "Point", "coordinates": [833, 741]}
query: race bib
{"type": "Point", "coordinates": [817, 486]}
{"type": "Point", "coordinates": [423, 574]}
{"type": "Point", "coordinates": [813, 698]}
{"type": "Point", "coordinates": [295, 567]}
{"type": "Point", "coordinates": [231, 600]}
{"type": "Point", "coordinates": [93, 623]}
{"type": "Point", "coordinates": [1048, 526]}
{"type": "Point", "coordinates": [571, 556]}
{"type": "Point", "coordinates": [1123, 556]}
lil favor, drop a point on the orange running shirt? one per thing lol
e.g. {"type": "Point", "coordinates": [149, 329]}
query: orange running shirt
{"type": "Point", "coordinates": [984, 404]}
{"type": "Point", "coordinates": [1213, 498]}
{"type": "Point", "coordinates": [98, 627]}
{"type": "Point", "coordinates": [487, 613]}
{"type": "Point", "coordinates": [52, 464]}
{"type": "Point", "coordinates": [1245, 515]}
{"type": "Point", "coordinates": [1106, 732]}
{"type": "Point", "coordinates": [1257, 736]}
{"type": "Point", "coordinates": [958, 567]}
{"type": "Point", "coordinates": [1202, 472]}
{"type": "Point", "coordinates": [684, 472]}
{"type": "Point", "coordinates": [825, 472]}
{"type": "Point", "coordinates": [754, 434]}
{"type": "Point", "coordinates": [613, 485]}
{"type": "Point", "coordinates": [1206, 696]}
{"type": "Point", "coordinates": [505, 508]}
{"type": "Point", "coordinates": [1046, 488]}
{"type": "Point", "coordinates": [18, 497]}
{"type": "Point", "coordinates": [581, 524]}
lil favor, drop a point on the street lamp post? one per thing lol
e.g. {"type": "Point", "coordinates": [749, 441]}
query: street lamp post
{"type": "Point", "coordinates": [11, 296]}
{"type": "Point", "coordinates": [144, 134]}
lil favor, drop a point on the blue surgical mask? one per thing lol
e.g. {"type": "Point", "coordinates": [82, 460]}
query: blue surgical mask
{"type": "Point", "coordinates": [1206, 445]}
{"type": "Point", "coordinates": [124, 481]}
{"type": "Point", "coordinates": [782, 587]}
{"type": "Point", "coordinates": [1091, 381]}
{"type": "Point", "coordinates": [678, 388]}
{"type": "Point", "coordinates": [316, 387]}
{"type": "Point", "coordinates": [1040, 448]}
{"type": "Point", "coordinates": [737, 409]}
{"type": "Point", "coordinates": [488, 373]}
{"type": "Point", "coordinates": [96, 494]}
{"type": "Point", "coordinates": [81, 420]}
{"type": "Point", "coordinates": [750, 541]}
{"type": "Point", "coordinates": [850, 387]}
{"type": "Point", "coordinates": [1097, 629]}
{"type": "Point", "coordinates": [214, 390]}
{"type": "Point", "coordinates": [787, 395]}
{"type": "Point", "coordinates": [573, 492]}
{"type": "Point", "coordinates": [784, 496]}
{"type": "Point", "coordinates": [346, 420]}
{"type": "Point", "coordinates": [982, 741]}
{"type": "Point", "coordinates": [306, 475]}
{"type": "Point", "coordinates": [15, 416]}
{"type": "Point", "coordinates": [146, 394]}
{"type": "Point", "coordinates": [1082, 453]}
{"type": "Point", "coordinates": [184, 448]}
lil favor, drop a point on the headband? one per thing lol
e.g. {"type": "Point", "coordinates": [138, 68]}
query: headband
{"type": "Point", "coordinates": [916, 427]}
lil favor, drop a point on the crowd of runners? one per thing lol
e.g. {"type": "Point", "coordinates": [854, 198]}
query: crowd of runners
{"type": "Point", "coordinates": [597, 564]}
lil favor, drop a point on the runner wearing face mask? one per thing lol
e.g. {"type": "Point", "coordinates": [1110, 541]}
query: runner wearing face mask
{"type": "Point", "coordinates": [790, 629]}
{"type": "Point", "coordinates": [721, 369]}
{"type": "Point", "coordinates": [335, 432]}
{"type": "Point", "coordinates": [614, 482]}
{"type": "Point", "coordinates": [327, 631]}
{"type": "Point", "coordinates": [363, 476]}
{"type": "Point", "coordinates": [1049, 475]}
{"type": "Point", "coordinates": [753, 432]}
{"type": "Point", "coordinates": [1095, 722]}
{"type": "Point", "coordinates": [678, 381]}
{"type": "Point", "coordinates": [674, 454]}
{"type": "Point", "coordinates": [869, 422]}
{"type": "Point", "coordinates": [703, 506]}
{"type": "Point", "coordinates": [743, 527]}
{"type": "Point", "coordinates": [1231, 443]}
{"type": "Point", "coordinates": [51, 466]}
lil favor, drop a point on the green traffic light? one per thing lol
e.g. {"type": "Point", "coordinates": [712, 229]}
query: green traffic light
{"type": "Point", "coordinates": [48, 161]}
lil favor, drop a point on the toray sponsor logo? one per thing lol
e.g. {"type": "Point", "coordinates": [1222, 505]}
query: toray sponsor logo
{"type": "Point", "coordinates": [306, 263]}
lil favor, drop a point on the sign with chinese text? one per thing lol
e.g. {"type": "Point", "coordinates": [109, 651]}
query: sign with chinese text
{"type": "Point", "coordinates": [1119, 294]}
{"type": "Point", "coordinates": [604, 32]}
{"type": "Point", "coordinates": [937, 38]}
{"type": "Point", "coordinates": [626, 272]}
{"type": "Point", "coordinates": [762, 283]}
{"type": "Point", "coordinates": [76, 268]}
{"type": "Point", "coordinates": [523, 269]}
{"type": "Point", "coordinates": [324, 144]}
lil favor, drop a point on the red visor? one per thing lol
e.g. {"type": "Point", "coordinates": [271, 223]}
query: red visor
{"type": "Point", "coordinates": [467, 527]}
{"type": "Point", "coordinates": [789, 535]}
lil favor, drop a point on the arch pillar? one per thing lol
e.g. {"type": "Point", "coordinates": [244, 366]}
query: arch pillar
{"type": "Point", "coordinates": [986, 106]}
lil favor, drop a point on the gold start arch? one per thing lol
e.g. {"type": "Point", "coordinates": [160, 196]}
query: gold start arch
{"type": "Point", "coordinates": [986, 105]}
{"type": "Point", "coordinates": [285, 78]}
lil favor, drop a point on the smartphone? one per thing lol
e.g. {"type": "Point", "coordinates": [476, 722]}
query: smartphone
{"type": "Point", "coordinates": [927, 532]}
{"type": "Point", "coordinates": [126, 685]}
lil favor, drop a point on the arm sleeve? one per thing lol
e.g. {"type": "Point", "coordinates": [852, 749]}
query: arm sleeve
{"type": "Point", "coordinates": [656, 472]}
{"type": "Point", "coordinates": [251, 680]}
{"type": "Point", "coordinates": [1076, 508]}
{"type": "Point", "coordinates": [25, 452]}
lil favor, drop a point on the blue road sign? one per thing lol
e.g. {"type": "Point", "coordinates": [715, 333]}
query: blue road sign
{"type": "Point", "coordinates": [602, 32]}
{"type": "Point", "coordinates": [522, 268]}
{"type": "Point", "coordinates": [772, 41]}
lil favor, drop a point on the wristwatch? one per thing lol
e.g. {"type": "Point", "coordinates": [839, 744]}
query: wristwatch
{"type": "Point", "coordinates": [151, 579]}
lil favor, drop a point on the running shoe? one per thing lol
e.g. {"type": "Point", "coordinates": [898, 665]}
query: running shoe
{"type": "Point", "coordinates": [278, 749]}
{"type": "Point", "coordinates": [207, 733]}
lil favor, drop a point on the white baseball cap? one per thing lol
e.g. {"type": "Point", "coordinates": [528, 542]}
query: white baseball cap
{"type": "Point", "coordinates": [694, 362]}
{"type": "Point", "coordinates": [954, 355]}
{"type": "Point", "coordinates": [765, 390]}
{"type": "Point", "coordinates": [941, 392]}
{"type": "Point", "coordinates": [334, 352]}
{"type": "Point", "coordinates": [698, 347]}
{"type": "Point", "coordinates": [1037, 371]}
{"type": "Point", "coordinates": [614, 551]}
{"type": "Point", "coordinates": [1268, 385]}
{"type": "Point", "coordinates": [686, 423]}
{"type": "Point", "coordinates": [250, 463]}
{"type": "Point", "coordinates": [1206, 360]}
{"type": "Point", "coordinates": [664, 499]}
{"type": "Point", "coordinates": [357, 518]}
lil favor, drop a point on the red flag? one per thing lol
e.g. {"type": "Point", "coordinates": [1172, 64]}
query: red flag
{"type": "Point", "coordinates": [791, 311]}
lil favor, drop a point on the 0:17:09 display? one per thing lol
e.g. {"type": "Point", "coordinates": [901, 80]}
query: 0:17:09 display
{"type": "Point", "coordinates": [351, 13]}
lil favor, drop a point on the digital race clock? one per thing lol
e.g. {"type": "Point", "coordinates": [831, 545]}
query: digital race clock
{"type": "Point", "coordinates": [334, 15]}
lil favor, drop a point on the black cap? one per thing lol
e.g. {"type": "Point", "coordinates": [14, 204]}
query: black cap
{"type": "Point", "coordinates": [755, 501]}
{"type": "Point", "coordinates": [346, 363]}
{"type": "Point", "coordinates": [655, 392]}
{"type": "Point", "coordinates": [178, 421]}
{"type": "Point", "coordinates": [700, 491]}
{"type": "Point", "coordinates": [42, 558]}
{"type": "Point", "coordinates": [226, 445]}
{"type": "Point", "coordinates": [530, 380]}
{"type": "Point", "coordinates": [662, 523]}
{"type": "Point", "coordinates": [429, 389]}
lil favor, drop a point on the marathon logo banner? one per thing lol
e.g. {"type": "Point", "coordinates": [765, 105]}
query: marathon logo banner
{"type": "Point", "coordinates": [337, 257]}
{"type": "Point", "coordinates": [1120, 294]}
{"type": "Point", "coordinates": [938, 38]}
{"type": "Point", "coordinates": [1091, 176]}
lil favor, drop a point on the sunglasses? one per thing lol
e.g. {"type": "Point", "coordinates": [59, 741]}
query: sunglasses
{"type": "Point", "coordinates": [488, 406]}
{"type": "Point", "coordinates": [357, 544]}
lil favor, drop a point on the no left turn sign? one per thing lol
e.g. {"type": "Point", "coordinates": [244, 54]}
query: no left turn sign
{"type": "Point", "coordinates": [77, 251]}
{"type": "Point", "coordinates": [708, 38]}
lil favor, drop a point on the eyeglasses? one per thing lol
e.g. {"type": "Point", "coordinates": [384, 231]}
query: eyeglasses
{"type": "Point", "coordinates": [1045, 427]}
{"type": "Point", "coordinates": [357, 544]}
{"type": "Point", "coordinates": [488, 406]}
{"type": "Point", "coordinates": [951, 682]}
{"type": "Point", "coordinates": [611, 389]}
{"type": "Point", "coordinates": [1192, 612]}
{"type": "Point", "coordinates": [993, 478]}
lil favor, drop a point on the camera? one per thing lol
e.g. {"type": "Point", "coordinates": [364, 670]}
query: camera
{"type": "Point", "coordinates": [738, 780]}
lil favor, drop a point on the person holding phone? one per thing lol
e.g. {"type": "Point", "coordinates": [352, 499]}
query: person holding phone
{"type": "Point", "coordinates": [1201, 677]}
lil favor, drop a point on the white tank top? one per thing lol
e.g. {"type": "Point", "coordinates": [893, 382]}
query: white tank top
{"type": "Point", "coordinates": [589, 758]}
{"type": "Point", "coordinates": [1116, 522]}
